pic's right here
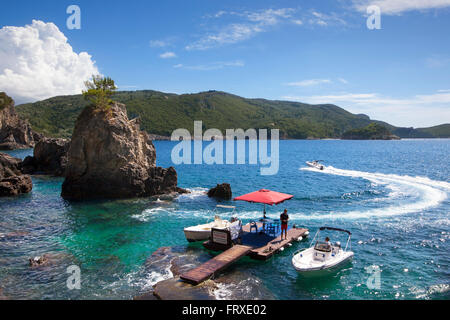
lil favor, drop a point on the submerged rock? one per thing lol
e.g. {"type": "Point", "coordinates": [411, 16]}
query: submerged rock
{"type": "Point", "coordinates": [221, 191]}
{"type": "Point", "coordinates": [170, 262]}
{"type": "Point", "coordinates": [2, 296]}
{"type": "Point", "coordinates": [15, 133]}
{"type": "Point", "coordinates": [12, 181]}
{"type": "Point", "coordinates": [49, 157]}
{"type": "Point", "coordinates": [51, 259]}
{"type": "Point", "coordinates": [38, 261]}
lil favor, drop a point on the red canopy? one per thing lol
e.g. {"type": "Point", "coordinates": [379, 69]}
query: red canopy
{"type": "Point", "coordinates": [265, 196]}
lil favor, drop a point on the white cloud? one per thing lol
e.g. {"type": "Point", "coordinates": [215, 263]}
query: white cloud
{"type": "Point", "coordinates": [343, 80]}
{"type": "Point", "coordinates": [322, 19]}
{"type": "Point", "coordinates": [437, 61]}
{"type": "Point", "coordinates": [392, 7]}
{"type": "Point", "coordinates": [419, 110]}
{"type": "Point", "coordinates": [270, 16]}
{"type": "Point", "coordinates": [254, 23]}
{"type": "Point", "coordinates": [308, 83]}
{"type": "Point", "coordinates": [168, 55]}
{"type": "Point", "coordinates": [246, 25]}
{"type": "Point", "coordinates": [231, 34]}
{"type": "Point", "coordinates": [158, 43]}
{"type": "Point", "coordinates": [37, 62]}
{"type": "Point", "coordinates": [211, 66]}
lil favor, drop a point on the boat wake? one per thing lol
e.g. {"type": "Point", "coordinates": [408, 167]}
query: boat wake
{"type": "Point", "coordinates": [408, 194]}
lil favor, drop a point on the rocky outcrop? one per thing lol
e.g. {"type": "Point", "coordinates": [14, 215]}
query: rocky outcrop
{"type": "Point", "coordinates": [15, 133]}
{"type": "Point", "coordinates": [12, 181]}
{"type": "Point", "coordinates": [110, 157]}
{"type": "Point", "coordinates": [221, 191]}
{"type": "Point", "coordinates": [49, 157]}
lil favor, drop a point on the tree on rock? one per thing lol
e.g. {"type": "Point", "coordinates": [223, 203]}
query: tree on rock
{"type": "Point", "coordinates": [99, 91]}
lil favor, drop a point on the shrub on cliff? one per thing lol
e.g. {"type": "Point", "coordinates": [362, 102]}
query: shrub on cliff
{"type": "Point", "coordinates": [5, 100]}
{"type": "Point", "coordinates": [99, 91]}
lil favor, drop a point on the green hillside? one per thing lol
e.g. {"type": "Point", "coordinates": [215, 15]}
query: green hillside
{"type": "Point", "coordinates": [161, 113]}
{"type": "Point", "coordinates": [373, 131]}
{"type": "Point", "coordinates": [441, 131]}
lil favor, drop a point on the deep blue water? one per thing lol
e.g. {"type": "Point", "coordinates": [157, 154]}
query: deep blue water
{"type": "Point", "coordinates": [392, 195]}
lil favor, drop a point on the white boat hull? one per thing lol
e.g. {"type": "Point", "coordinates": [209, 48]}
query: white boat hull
{"type": "Point", "coordinates": [317, 166]}
{"type": "Point", "coordinates": [203, 231]}
{"type": "Point", "coordinates": [193, 236]}
{"type": "Point", "coordinates": [305, 265]}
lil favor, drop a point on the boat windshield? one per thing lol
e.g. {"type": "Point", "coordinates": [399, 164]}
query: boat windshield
{"type": "Point", "coordinates": [322, 246]}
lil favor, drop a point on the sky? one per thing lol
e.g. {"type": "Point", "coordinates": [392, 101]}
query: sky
{"type": "Point", "coordinates": [308, 51]}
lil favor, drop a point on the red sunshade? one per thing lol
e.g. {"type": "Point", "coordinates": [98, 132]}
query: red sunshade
{"type": "Point", "coordinates": [265, 196]}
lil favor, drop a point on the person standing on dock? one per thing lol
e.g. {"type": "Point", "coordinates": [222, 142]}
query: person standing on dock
{"type": "Point", "coordinates": [284, 217]}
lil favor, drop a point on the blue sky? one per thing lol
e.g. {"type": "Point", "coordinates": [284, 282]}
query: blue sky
{"type": "Point", "coordinates": [308, 51]}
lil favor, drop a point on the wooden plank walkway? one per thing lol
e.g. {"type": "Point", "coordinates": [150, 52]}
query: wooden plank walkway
{"type": "Point", "coordinates": [215, 265]}
{"type": "Point", "coordinates": [268, 250]}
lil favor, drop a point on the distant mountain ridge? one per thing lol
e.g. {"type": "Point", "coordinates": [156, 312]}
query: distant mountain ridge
{"type": "Point", "coordinates": [161, 113]}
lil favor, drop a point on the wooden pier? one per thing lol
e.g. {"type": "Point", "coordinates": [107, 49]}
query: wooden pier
{"type": "Point", "coordinates": [256, 245]}
{"type": "Point", "coordinates": [215, 265]}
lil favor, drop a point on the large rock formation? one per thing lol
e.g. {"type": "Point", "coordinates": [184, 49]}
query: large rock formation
{"type": "Point", "coordinates": [110, 157]}
{"type": "Point", "coordinates": [12, 181]}
{"type": "Point", "coordinates": [49, 157]}
{"type": "Point", "coordinates": [15, 133]}
{"type": "Point", "coordinates": [221, 191]}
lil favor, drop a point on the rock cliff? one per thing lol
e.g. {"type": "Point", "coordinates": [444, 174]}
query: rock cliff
{"type": "Point", "coordinates": [12, 181]}
{"type": "Point", "coordinates": [15, 133]}
{"type": "Point", "coordinates": [49, 157]}
{"type": "Point", "coordinates": [110, 157]}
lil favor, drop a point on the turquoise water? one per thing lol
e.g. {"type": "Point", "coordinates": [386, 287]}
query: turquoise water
{"type": "Point", "coordinates": [392, 195]}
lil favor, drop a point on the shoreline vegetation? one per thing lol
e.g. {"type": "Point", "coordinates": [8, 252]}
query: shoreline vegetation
{"type": "Point", "coordinates": [161, 113]}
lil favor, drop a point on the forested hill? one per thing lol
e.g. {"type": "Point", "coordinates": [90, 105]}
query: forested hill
{"type": "Point", "coordinates": [161, 113]}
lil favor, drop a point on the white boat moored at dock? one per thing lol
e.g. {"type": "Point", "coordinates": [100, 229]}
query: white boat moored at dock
{"type": "Point", "coordinates": [203, 231]}
{"type": "Point", "coordinates": [322, 257]}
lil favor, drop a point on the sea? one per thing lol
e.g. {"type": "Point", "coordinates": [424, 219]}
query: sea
{"type": "Point", "coordinates": [391, 195]}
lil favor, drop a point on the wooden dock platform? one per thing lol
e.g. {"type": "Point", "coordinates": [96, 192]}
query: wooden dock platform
{"type": "Point", "coordinates": [274, 245]}
{"type": "Point", "coordinates": [257, 245]}
{"type": "Point", "coordinates": [215, 265]}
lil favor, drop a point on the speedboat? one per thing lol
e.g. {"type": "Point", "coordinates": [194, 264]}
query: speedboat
{"type": "Point", "coordinates": [203, 231]}
{"type": "Point", "coordinates": [315, 164]}
{"type": "Point", "coordinates": [322, 257]}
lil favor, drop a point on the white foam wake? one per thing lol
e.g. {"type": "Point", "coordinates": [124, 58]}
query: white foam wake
{"type": "Point", "coordinates": [418, 193]}
{"type": "Point", "coordinates": [194, 194]}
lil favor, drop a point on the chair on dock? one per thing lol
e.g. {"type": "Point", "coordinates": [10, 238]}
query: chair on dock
{"type": "Point", "coordinates": [273, 228]}
{"type": "Point", "coordinates": [253, 225]}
